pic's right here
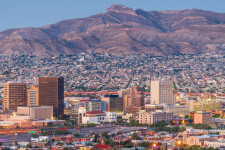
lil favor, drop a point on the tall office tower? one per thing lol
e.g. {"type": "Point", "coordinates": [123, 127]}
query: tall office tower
{"type": "Point", "coordinates": [33, 96]}
{"type": "Point", "coordinates": [51, 93]}
{"type": "Point", "coordinates": [93, 105]}
{"type": "Point", "coordinates": [15, 95]}
{"type": "Point", "coordinates": [135, 97]}
{"type": "Point", "coordinates": [114, 103]}
{"type": "Point", "coordinates": [162, 92]}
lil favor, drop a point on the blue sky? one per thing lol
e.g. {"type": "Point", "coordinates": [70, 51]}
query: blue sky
{"type": "Point", "coordinates": [37, 13]}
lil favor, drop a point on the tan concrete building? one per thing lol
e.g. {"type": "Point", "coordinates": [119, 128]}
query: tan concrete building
{"type": "Point", "coordinates": [33, 96]}
{"type": "Point", "coordinates": [203, 105]}
{"type": "Point", "coordinates": [135, 97]}
{"type": "Point", "coordinates": [154, 117]}
{"type": "Point", "coordinates": [43, 112]}
{"type": "Point", "coordinates": [26, 122]}
{"type": "Point", "coordinates": [202, 117]}
{"type": "Point", "coordinates": [68, 111]}
{"type": "Point", "coordinates": [162, 92]}
{"type": "Point", "coordinates": [114, 103]}
{"type": "Point", "coordinates": [178, 110]}
{"type": "Point", "coordinates": [151, 107]}
{"type": "Point", "coordinates": [196, 140]}
{"type": "Point", "coordinates": [134, 109]}
{"type": "Point", "coordinates": [15, 95]}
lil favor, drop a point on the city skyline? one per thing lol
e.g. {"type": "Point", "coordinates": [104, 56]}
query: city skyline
{"type": "Point", "coordinates": [134, 75]}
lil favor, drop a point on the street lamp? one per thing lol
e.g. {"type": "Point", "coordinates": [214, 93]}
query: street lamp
{"type": "Point", "coordinates": [154, 145]}
{"type": "Point", "coordinates": [179, 143]}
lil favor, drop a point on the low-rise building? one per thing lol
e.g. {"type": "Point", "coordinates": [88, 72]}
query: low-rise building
{"type": "Point", "coordinates": [134, 109]}
{"type": "Point", "coordinates": [42, 112]}
{"type": "Point", "coordinates": [93, 105]}
{"type": "Point", "coordinates": [154, 117]}
{"type": "Point", "coordinates": [178, 110]}
{"type": "Point", "coordinates": [27, 122]}
{"type": "Point", "coordinates": [114, 103]}
{"type": "Point", "coordinates": [99, 117]}
{"type": "Point", "coordinates": [152, 107]}
{"type": "Point", "coordinates": [205, 105]}
{"type": "Point", "coordinates": [217, 112]}
{"type": "Point", "coordinates": [214, 144]}
{"type": "Point", "coordinates": [202, 117]}
{"type": "Point", "coordinates": [196, 140]}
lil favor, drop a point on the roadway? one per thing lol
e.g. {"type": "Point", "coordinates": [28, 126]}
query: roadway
{"type": "Point", "coordinates": [96, 130]}
{"type": "Point", "coordinates": [6, 139]}
{"type": "Point", "coordinates": [108, 128]}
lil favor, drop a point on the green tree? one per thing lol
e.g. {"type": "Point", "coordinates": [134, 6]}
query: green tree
{"type": "Point", "coordinates": [98, 141]}
{"type": "Point", "coordinates": [105, 134]}
{"type": "Point", "coordinates": [186, 116]}
{"type": "Point", "coordinates": [126, 142]}
{"type": "Point", "coordinates": [47, 133]}
{"type": "Point", "coordinates": [77, 135]}
{"type": "Point", "coordinates": [90, 125]}
{"type": "Point", "coordinates": [216, 115]}
{"type": "Point", "coordinates": [5, 148]}
{"type": "Point", "coordinates": [108, 142]}
{"type": "Point", "coordinates": [59, 143]}
{"type": "Point", "coordinates": [135, 136]}
{"type": "Point", "coordinates": [158, 124]}
{"type": "Point", "coordinates": [201, 126]}
{"type": "Point", "coordinates": [50, 124]}
{"type": "Point", "coordinates": [95, 138]}
{"type": "Point", "coordinates": [144, 144]}
{"type": "Point", "coordinates": [59, 132]}
{"type": "Point", "coordinates": [89, 144]}
{"type": "Point", "coordinates": [29, 145]}
{"type": "Point", "coordinates": [133, 123]}
{"type": "Point", "coordinates": [35, 135]}
{"type": "Point", "coordinates": [129, 145]}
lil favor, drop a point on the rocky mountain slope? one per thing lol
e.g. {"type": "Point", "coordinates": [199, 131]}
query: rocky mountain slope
{"type": "Point", "coordinates": [122, 30]}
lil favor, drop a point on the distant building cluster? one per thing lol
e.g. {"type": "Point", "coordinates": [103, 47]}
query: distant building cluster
{"type": "Point", "coordinates": [129, 114]}
{"type": "Point", "coordinates": [104, 72]}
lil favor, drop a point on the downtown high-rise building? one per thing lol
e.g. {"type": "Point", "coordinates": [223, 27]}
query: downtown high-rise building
{"type": "Point", "coordinates": [93, 105]}
{"type": "Point", "coordinates": [113, 103]}
{"type": "Point", "coordinates": [133, 97]}
{"type": "Point", "coordinates": [33, 96]}
{"type": "Point", "coordinates": [15, 95]}
{"type": "Point", "coordinates": [51, 93]}
{"type": "Point", "coordinates": [162, 92]}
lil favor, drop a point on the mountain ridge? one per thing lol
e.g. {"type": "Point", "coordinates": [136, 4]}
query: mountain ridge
{"type": "Point", "coordinates": [122, 30]}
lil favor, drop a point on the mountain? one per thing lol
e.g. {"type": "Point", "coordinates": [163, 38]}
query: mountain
{"type": "Point", "coordinates": [122, 30]}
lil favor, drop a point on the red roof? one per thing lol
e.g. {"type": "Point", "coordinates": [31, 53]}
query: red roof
{"type": "Point", "coordinates": [83, 100]}
{"type": "Point", "coordinates": [95, 112]}
{"type": "Point", "coordinates": [101, 146]}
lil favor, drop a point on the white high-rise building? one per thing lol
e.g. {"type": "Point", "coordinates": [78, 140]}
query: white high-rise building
{"type": "Point", "coordinates": [162, 92]}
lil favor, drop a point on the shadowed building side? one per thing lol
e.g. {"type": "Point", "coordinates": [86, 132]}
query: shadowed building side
{"type": "Point", "coordinates": [51, 93]}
